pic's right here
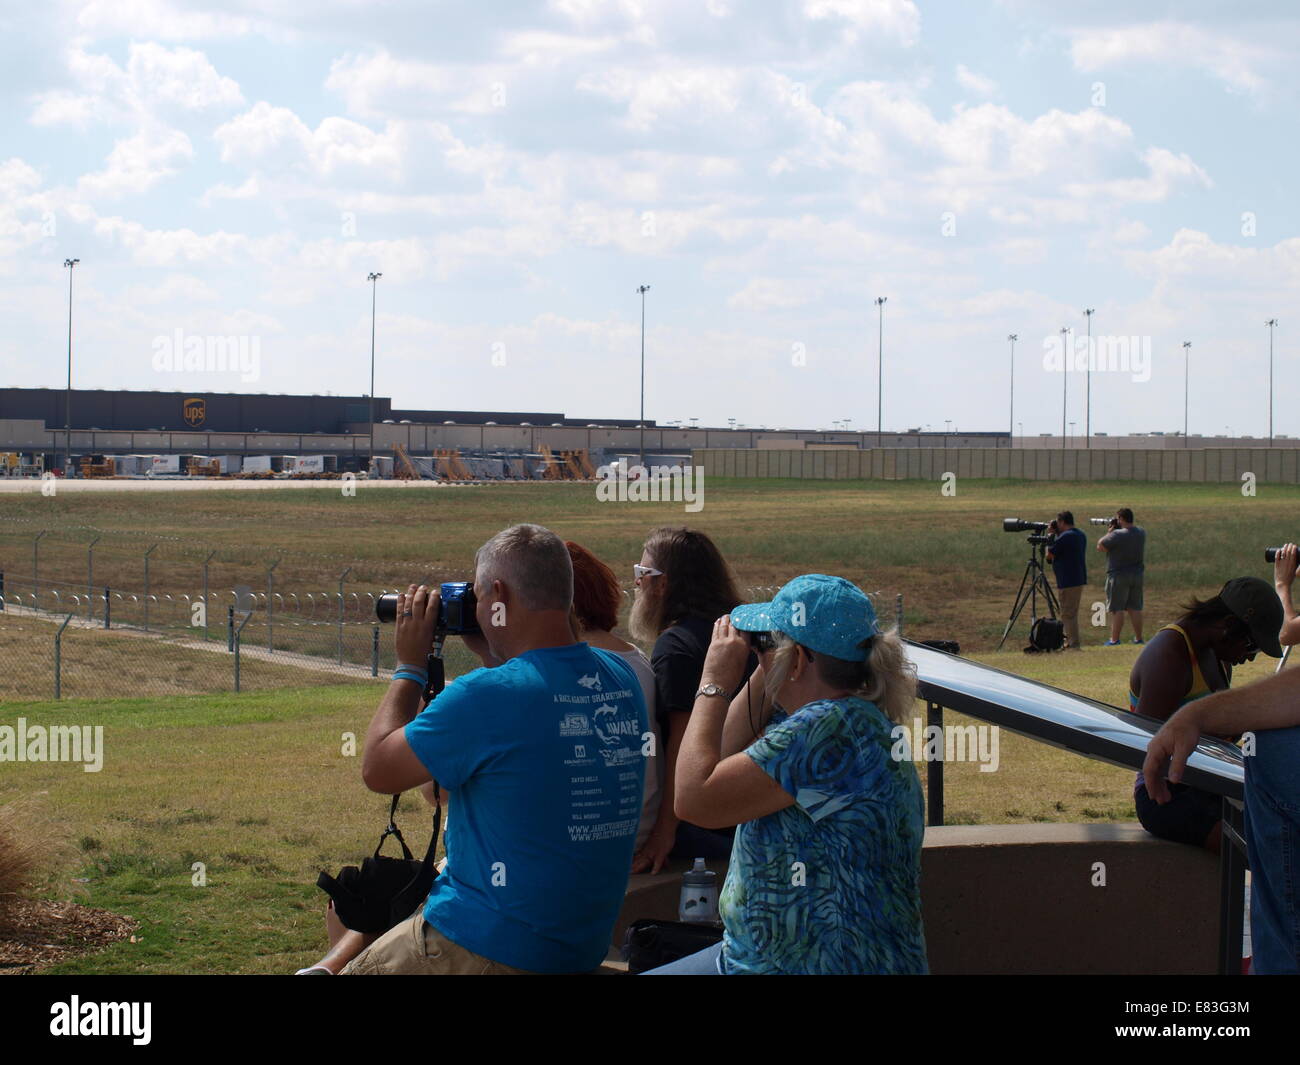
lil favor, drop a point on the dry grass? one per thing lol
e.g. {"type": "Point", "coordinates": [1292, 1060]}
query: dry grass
{"type": "Point", "coordinates": [33, 850]}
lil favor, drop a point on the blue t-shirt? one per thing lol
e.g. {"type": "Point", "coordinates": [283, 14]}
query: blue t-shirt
{"type": "Point", "coordinates": [542, 757]}
{"type": "Point", "coordinates": [832, 883]}
{"type": "Point", "coordinates": [1069, 558]}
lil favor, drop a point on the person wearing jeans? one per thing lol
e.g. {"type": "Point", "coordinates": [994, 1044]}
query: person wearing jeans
{"type": "Point", "coordinates": [1268, 712]}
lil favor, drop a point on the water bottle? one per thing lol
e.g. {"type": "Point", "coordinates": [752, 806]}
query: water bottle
{"type": "Point", "coordinates": [699, 899]}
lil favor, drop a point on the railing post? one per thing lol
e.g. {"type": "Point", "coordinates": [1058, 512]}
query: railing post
{"type": "Point", "coordinates": [374, 650]}
{"type": "Point", "coordinates": [934, 767]}
{"type": "Point", "coordinates": [342, 578]}
{"type": "Point", "coordinates": [58, 658]}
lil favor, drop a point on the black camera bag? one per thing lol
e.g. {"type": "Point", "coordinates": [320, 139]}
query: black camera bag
{"type": "Point", "coordinates": [1047, 634]}
{"type": "Point", "coordinates": [384, 891]}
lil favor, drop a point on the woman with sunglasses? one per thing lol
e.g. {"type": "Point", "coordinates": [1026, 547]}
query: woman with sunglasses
{"type": "Point", "coordinates": [825, 870]}
{"type": "Point", "coordinates": [1187, 660]}
{"type": "Point", "coordinates": [683, 584]}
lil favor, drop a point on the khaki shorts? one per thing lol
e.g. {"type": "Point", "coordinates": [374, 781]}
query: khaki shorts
{"type": "Point", "coordinates": [415, 947]}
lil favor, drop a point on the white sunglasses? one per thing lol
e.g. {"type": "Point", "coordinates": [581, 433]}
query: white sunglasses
{"type": "Point", "coordinates": [640, 571]}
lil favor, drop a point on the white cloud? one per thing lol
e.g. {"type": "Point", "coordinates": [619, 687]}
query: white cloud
{"type": "Point", "coordinates": [1238, 63]}
{"type": "Point", "coordinates": [277, 139]}
{"type": "Point", "coordinates": [155, 81]}
{"type": "Point", "coordinates": [138, 163]}
{"type": "Point", "coordinates": [976, 83]}
{"type": "Point", "coordinates": [898, 19]}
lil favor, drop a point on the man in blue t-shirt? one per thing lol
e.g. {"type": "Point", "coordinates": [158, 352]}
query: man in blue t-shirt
{"type": "Point", "coordinates": [1068, 555]}
{"type": "Point", "coordinates": [542, 757]}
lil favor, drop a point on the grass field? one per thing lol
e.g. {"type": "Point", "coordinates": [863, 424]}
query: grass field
{"type": "Point", "coordinates": [256, 785]}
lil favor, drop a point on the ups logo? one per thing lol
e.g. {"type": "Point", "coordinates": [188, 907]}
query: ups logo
{"type": "Point", "coordinates": [194, 411]}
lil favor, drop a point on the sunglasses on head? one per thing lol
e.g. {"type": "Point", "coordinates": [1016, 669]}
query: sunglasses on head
{"type": "Point", "coordinates": [640, 571]}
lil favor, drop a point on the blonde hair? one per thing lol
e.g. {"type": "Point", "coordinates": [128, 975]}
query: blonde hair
{"type": "Point", "coordinates": [885, 678]}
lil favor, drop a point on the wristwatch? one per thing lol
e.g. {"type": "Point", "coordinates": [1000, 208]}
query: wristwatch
{"type": "Point", "coordinates": [711, 689]}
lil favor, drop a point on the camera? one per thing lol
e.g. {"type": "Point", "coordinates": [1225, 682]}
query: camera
{"type": "Point", "coordinates": [1112, 522]}
{"type": "Point", "coordinates": [1013, 525]}
{"type": "Point", "coordinates": [1270, 554]}
{"type": "Point", "coordinates": [455, 609]}
{"type": "Point", "coordinates": [762, 641]}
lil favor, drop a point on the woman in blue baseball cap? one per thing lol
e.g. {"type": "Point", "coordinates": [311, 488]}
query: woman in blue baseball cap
{"type": "Point", "coordinates": [825, 869]}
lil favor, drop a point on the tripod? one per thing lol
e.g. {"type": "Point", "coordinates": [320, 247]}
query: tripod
{"type": "Point", "coordinates": [1033, 584]}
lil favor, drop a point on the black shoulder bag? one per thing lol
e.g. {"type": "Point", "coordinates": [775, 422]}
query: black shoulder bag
{"type": "Point", "coordinates": [385, 891]}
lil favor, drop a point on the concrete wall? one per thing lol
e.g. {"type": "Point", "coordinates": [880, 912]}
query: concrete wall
{"type": "Point", "coordinates": [1020, 899]}
{"type": "Point", "coordinates": [1219, 465]}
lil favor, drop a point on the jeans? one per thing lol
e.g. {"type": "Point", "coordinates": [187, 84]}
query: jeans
{"type": "Point", "coordinates": [1273, 841]}
{"type": "Point", "coordinates": [706, 962]}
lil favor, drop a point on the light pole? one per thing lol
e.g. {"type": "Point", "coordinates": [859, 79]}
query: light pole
{"type": "Point", "coordinates": [67, 414]}
{"type": "Point", "coordinates": [1087, 416]}
{"type": "Point", "coordinates": [1272, 324]}
{"type": "Point", "coordinates": [373, 279]}
{"type": "Point", "coordinates": [1011, 411]}
{"type": "Point", "coordinates": [1187, 359]}
{"type": "Point", "coordinates": [1065, 378]}
{"type": "Point", "coordinates": [643, 289]}
{"type": "Point", "coordinates": [880, 367]}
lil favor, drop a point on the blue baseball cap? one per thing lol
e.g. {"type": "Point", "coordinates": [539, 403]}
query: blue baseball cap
{"type": "Point", "coordinates": [826, 614]}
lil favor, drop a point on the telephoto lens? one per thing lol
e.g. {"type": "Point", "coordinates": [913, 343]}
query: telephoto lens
{"type": "Point", "coordinates": [386, 608]}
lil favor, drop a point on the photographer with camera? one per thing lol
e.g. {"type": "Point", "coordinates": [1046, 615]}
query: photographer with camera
{"type": "Point", "coordinates": [1125, 547]}
{"type": "Point", "coordinates": [542, 757]}
{"type": "Point", "coordinates": [1067, 553]}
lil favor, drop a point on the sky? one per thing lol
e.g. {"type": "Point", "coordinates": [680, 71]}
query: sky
{"type": "Point", "coordinates": [515, 171]}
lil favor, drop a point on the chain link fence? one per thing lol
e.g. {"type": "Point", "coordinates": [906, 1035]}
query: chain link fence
{"type": "Point", "coordinates": [88, 613]}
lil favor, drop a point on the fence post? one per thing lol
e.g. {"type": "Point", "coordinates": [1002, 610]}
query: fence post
{"type": "Point", "coordinates": [58, 658]}
{"type": "Point", "coordinates": [898, 612]}
{"type": "Point", "coordinates": [342, 578]}
{"type": "Point", "coordinates": [270, 605]}
{"type": "Point", "coordinates": [36, 588]}
{"type": "Point", "coordinates": [108, 608]}
{"type": "Point", "coordinates": [205, 594]}
{"type": "Point", "coordinates": [237, 633]}
{"type": "Point", "coordinates": [90, 578]}
{"type": "Point", "coordinates": [230, 628]}
{"type": "Point", "coordinates": [374, 650]}
{"type": "Point", "coordinates": [146, 585]}
{"type": "Point", "coordinates": [2, 590]}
